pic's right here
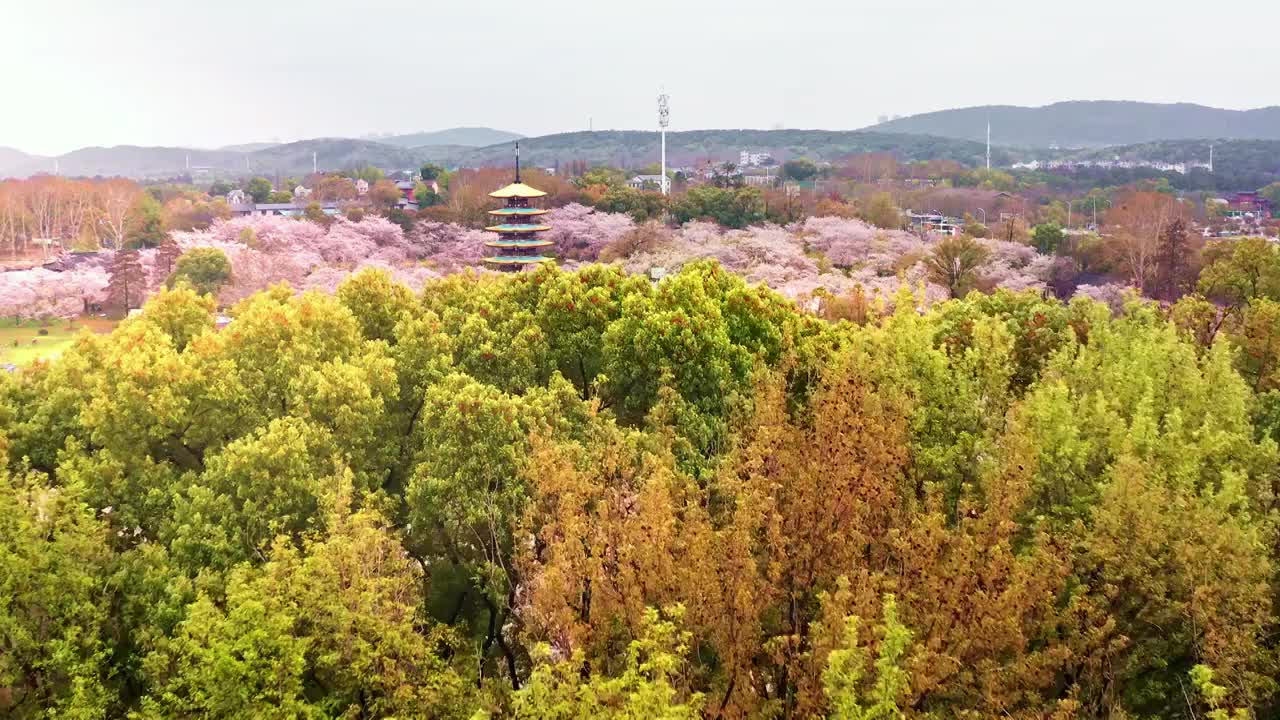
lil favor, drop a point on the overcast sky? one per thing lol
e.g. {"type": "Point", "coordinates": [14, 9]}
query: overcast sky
{"type": "Point", "coordinates": [206, 74]}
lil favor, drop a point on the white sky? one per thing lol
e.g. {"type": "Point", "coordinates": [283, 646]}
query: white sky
{"type": "Point", "coordinates": [177, 72]}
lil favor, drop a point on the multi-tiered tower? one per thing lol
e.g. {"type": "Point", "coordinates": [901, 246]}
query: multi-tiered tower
{"type": "Point", "coordinates": [517, 244]}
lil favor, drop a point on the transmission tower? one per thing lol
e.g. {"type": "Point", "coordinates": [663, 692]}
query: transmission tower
{"type": "Point", "coordinates": [664, 119]}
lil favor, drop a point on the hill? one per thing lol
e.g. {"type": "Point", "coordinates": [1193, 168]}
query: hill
{"type": "Point", "coordinates": [1091, 123]}
{"type": "Point", "coordinates": [625, 148]}
{"type": "Point", "coordinates": [463, 136]}
{"type": "Point", "coordinates": [249, 147]}
{"type": "Point", "coordinates": [634, 148]}
{"type": "Point", "coordinates": [331, 154]}
{"type": "Point", "coordinates": [12, 160]}
{"type": "Point", "coordinates": [129, 161]}
{"type": "Point", "coordinates": [1237, 164]}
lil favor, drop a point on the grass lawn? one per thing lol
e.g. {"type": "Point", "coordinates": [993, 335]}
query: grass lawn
{"type": "Point", "coordinates": [47, 347]}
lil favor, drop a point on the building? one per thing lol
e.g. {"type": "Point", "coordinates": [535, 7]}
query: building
{"type": "Point", "coordinates": [517, 244]}
{"type": "Point", "coordinates": [290, 209]}
{"type": "Point", "coordinates": [937, 223]}
{"type": "Point", "coordinates": [645, 182]}
{"type": "Point", "coordinates": [1249, 204]}
{"type": "Point", "coordinates": [362, 186]}
{"type": "Point", "coordinates": [406, 201]}
{"type": "Point", "coordinates": [760, 180]}
{"type": "Point", "coordinates": [747, 159]}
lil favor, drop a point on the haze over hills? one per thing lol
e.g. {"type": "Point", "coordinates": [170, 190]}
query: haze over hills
{"type": "Point", "coordinates": [250, 147]}
{"type": "Point", "coordinates": [1091, 123]}
{"type": "Point", "coordinates": [1170, 133]}
{"type": "Point", "coordinates": [636, 148]}
{"type": "Point", "coordinates": [462, 136]}
{"type": "Point", "coordinates": [622, 148]}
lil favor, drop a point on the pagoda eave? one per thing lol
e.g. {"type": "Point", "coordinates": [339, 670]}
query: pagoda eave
{"type": "Point", "coordinates": [517, 190]}
{"type": "Point", "coordinates": [518, 228]}
{"type": "Point", "coordinates": [518, 212]}
{"type": "Point", "coordinates": [513, 260]}
{"type": "Point", "coordinates": [530, 244]}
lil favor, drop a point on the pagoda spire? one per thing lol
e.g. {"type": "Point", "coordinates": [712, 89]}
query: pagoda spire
{"type": "Point", "coordinates": [518, 228]}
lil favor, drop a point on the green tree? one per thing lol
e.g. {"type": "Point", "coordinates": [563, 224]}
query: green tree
{"type": "Point", "coordinates": [128, 281]}
{"type": "Point", "coordinates": [430, 171]}
{"type": "Point", "coordinates": [730, 207]}
{"type": "Point", "coordinates": [425, 196]}
{"type": "Point", "coordinates": [649, 686]}
{"type": "Point", "coordinates": [800, 169]}
{"type": "Point", "coordinates": [1272, 193]}
{"type": "Point", "coordinates": [144, 226]}
{"type": "Point", "coordinates": [314, 213]}
{"type": "Point", "coordinates": [54, 566]}
{"type": "Point", "coordinates": [882, 212]}
{"type": "Point", "coordinates": [1237, 271]}
{"type": "Point", "coordinates": [641, 205]}
{"type": "Point", "coordinates": [207, 270]}
{"type": "Point", "coordinates": [258, 188]}
{"type": "Point", "coordinates": [605, 176]}
{"type": "Point", "coordinates": [845, 676]}
{"type": "Point", "coordinates": [280, 197]}
{"type": "Point", "coordinates": [955, 262]}
{"type": "Point", "coordinates": [1048, 238]}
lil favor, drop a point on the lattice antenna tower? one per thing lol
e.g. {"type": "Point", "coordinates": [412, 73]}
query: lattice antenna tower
{"type": "Point", "coordinates": [664, 119]}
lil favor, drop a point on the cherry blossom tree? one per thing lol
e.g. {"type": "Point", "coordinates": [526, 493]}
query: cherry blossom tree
{"type": "Point", "coordinates": [581, 232]}
{"type": "Point", "coordinates": [1113, 295]}
{"type": "Point", "coordinates": [46, 294]}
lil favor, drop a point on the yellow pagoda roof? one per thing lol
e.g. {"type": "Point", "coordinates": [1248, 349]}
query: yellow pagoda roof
{"type": "Point", "coordinates": [517, 190]}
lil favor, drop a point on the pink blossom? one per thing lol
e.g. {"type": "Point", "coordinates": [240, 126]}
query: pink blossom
{"type": "Point", "coordinates": [449, 247]}
{"type": "Point", "coordinates": [1113, 295]}
{"type": "Point", "coordinates": [581, 232]}
{"type": "Point", "coordinates": [41, 293]}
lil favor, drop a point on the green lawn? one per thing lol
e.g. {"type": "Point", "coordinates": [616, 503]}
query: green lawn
{"type": "Point", "coordinates": [23, 344]}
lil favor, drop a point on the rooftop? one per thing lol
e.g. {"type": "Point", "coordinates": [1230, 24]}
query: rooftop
{"type": "Point", "coordinates": [517, 190]}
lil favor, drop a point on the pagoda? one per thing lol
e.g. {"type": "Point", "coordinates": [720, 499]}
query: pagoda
{"type": "Point", "coordinates": [518, 244]}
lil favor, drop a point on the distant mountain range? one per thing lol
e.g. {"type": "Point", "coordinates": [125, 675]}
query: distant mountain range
{"type": "Point", "coordinates": [1091, 124]}
{"type": "Point", "coordinates": [1174, 133]}
{"type": "Point", "coordinates": [463, 136]}
{"type": "Point", "coordinates": [395, 152]}
{"type": "Point", "coordinates": [621, 148]}
{"type": "Point", "coordinates": [636, 148]}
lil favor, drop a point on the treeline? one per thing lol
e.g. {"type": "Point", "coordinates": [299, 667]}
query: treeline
{"type": "Point", "coordinates": [45, 215]}
{"type": "Point", "coordinates": [582, 494]}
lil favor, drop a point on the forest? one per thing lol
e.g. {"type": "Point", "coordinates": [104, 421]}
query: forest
{"type": "Point", "coordinates": [585, 494]}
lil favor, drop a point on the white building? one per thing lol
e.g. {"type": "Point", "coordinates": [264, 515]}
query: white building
{"type": "Point", "coordinates": [641, 182]}
{"type": "Point", "coordinates": [746, 159]}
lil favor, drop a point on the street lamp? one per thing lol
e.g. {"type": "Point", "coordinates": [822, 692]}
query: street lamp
{"type": "Point", "coordinates": [1095, 210]}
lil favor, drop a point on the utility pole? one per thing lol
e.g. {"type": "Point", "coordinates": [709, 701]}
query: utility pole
{"type": "Point", "coordinates": [313, 163]}
{"type": "Point", "coordinates": [988, 143]}
{"type": "Point", "coordinates": [664, 119]}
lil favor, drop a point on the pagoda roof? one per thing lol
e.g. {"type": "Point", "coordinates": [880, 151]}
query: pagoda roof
{"type": "Point", "coordinates": [517, 259]}
{"type": "Point", "coordinates": [517, 228]}
{"type": "Point", "coordinates": [517, 190]}
{"type": "Point", "coordinates": [519, 211]}
{"type": "Point", "coordinates": [519, 243]}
